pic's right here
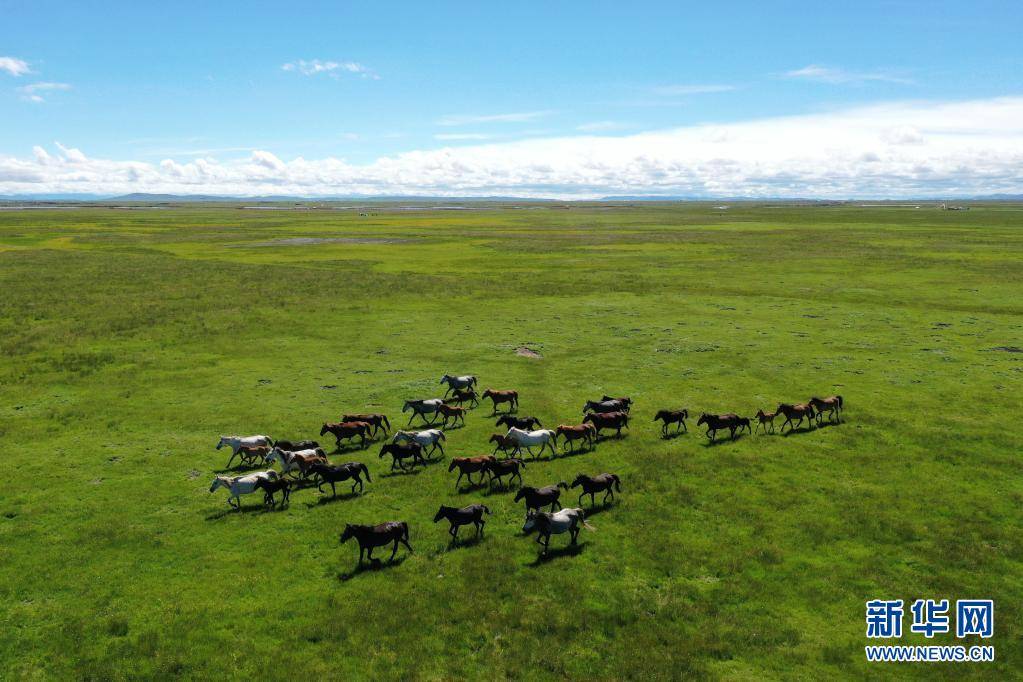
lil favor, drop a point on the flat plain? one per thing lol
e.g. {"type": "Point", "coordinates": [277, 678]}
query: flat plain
{"type": "Point", "coordinates": [133, 338]}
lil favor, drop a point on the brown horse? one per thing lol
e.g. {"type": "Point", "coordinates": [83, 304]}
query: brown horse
{"type": "Point", "coordinates": [607, 420]}
{"type": "Point", "coordinates": [717, 422]}
{"type": "Point", "coordinates": [766, 420]}
{"type": "Point", "coordinates": [402, 451]}
{"type": "Point", "coordinates": [592, 485]}
{"type": "Point", "coordinates": [467, 466]}
{"type": "Point", "coordinates": [371, 537]}
{"type": "Point", "coordinates": [249, 455]}
{"type": "Point", "coordinates": [461, 517]}
{"type": "Point", "coordinates": [572, 433]}
{"type": "Point", "coordinates": [537, 498]}
{"type": "Point", "coordinates": [455, 414]}
{"type": "Point", "coordinates": [378, 421]}
{"type": "Point", "coordinates": [502, 467]}
{"type": "Point", "coordinates": [796, 413]}
{"type": "Point", "coordinates": [347, 430]}
{"type": "Point", "coordinates": [677, 417]}
{"type": "Point", "coordinates": [504, 443]}
{"type": "Point", "coordinates": [460, 397]}
{"type": "Point", "coordinates": [525, 423]}
{"type": "Point", "coordinates": [269, 487]}
{"type": "Point", "coordinates": [499, 397]}
{"type": "Point", "coordinates": [832, 405]}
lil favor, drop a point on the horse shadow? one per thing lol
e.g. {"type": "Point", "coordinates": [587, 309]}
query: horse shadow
{"type": "Point", "coordinates": [672, 435]}
{"type": "Point", "coordinates": [351, 446]}
{"type": "Point", "coordinates": [466, 542]}
{"type": "Point", "coordinates": [721, 441]}
{"type": "Point", "coordinates": [330, 499]}
{"type": "Point", "coordinates": [412, 471]}
{"type": "Point", "coordinates": [255, 508]}
{"type": "Point", "coordinates": [453, 427]}
{"type": "Point", "coordinates": [374, 565]}
{"type": "Point", "coordinates": [473, 487]}
{"type": "Point", "coordinates": [799, 429]}
{"type": "Point", "coordinates": [499, 490]}
{"type": "Point", "coordinates": [598, 508]}
{"type": "Point", "coordinates": [557, 553]}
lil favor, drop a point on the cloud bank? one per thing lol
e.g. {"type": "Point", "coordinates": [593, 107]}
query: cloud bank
{"type": "Point", "coordinates": [899, 149]}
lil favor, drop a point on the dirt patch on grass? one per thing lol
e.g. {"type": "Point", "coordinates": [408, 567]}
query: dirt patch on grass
{"type": "Point", "coordinates": [528, 353]}
{"type": "Point", "coordinates": [308, 241]}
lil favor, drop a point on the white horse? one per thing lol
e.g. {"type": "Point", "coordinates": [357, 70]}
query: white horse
{"type": "Point", "coordinates": [546, 524]}
{"type": "Point", "coordinates": [238, 442]}
{"type": "Point", "coordinates": [241, 485]}
{"type": "Point", "coordinates": [456, 383]}
{"type": "Point", "coordinates": [430, 438]}
{"type": "Point", "coordinates": [545, 438]}
{"type": "Point", "coordinates": [422, 408]}
{"type": "Point", "coordinates": [292, 461]}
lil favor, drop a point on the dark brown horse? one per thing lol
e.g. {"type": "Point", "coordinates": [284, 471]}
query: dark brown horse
{"type": "Point", "coordinates": [537, 498]}
{"type": "Point", "coordinates": [572, 433]}
{"type": "Point", "coordinates": [461, 397]}
{"type": "Point", "coordinates": [504, 443]}
{"type": "Point", "coordinates": [717, 422]}
{"type": "Point", "coordinates": [342, 472]}
{"type": "Point", "coordinates": [349, 430]}
{"type": "Point", "coordinates": [269, 487]}
{"type": "Point", "coordinates": [402, 451]}
{"type": "Point", "coordinates": [461, 517]}
{"type": "Point", "coordinates": [765, 420]}
{"type": "Point", "coordinates": [371, 537]}
{"type": "Point", "coordinates": [607, 420]}
{"type": "Point", "coordinates": [592, 485]}
{"type": "Point", "coordinates": [499, 397]}
{"type": "Point", "coordinates": [796, 414]}
{"type": "Point", "coordinates": [454, 414]}
{"type": "Point", "coordinates": [677, 417]}
{"type": "Point", "coordinates": [524, 423]}
{"type": "Point", "coordinates": [378, 421]}
{"type": "Point", "coordinates": [498, 468]}
{"type": "Point", "coordinates": [467, 466]}
{"type": "Point", "coordinates": [832, 405]}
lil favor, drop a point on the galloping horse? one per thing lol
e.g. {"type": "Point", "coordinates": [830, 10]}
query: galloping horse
{"type": "Point", "coordinates": [458, 383]}
{"type": "Point", "coordinates": [594, 484]}
{"type": "Point", "coordinates": [402, 451]}
{"type": "Point", "coordinates": [429, 438]}
{"type": "Point", "coordinates": [766, 420]}
{"type": "Point", "coordinates": [607, 420]}
{"type": "Point", "coordinates": [537, 498]}
{"type": "Point", "coordinates": [716, 422]}
{"type": "Point", "coordinates": [297, 461]}
{"type": "Point", "coordinates": [564, 521]}
{"type": "Point", "coordinates": [371, 537]}
{"type": "Point", "coordinates": [677, 417]}
{"type": "Point", "coordinates": [496, 468]}
{"type": "Point", "coordinates": [241, 485]}
{"type": "Point", "coordinates": [348, 430]}
{"type": "Point", "coordinates": [797, 413]}
{"type": "Point", "coordinates": [510, 397]}
{"type": "Point", "coordinates": [572, 433]}
{"type": "Point", "coordinates": [379, 421]}
{"type": "Point", "coordinates": [603, 406]}
{"type": "Point", "coordinates": [832, 405]}
{"type": "Point", "coordinates": [342, 472]}
{"type": "Point", "coordinates": [421, 408]}
{"type": "Point", "coordinates": [237, 442]}
{"type": "Point", "coordinates": [269, 487]}
{"type": "Point", "coordinates": [452, 414]}
{"type": "Point", "coordinates": [526, 423]}
{"type": "Point", "coordinates": [467, 466]}
{"type": "Point", "coordinates": [460, 517]}
{"type": "Point", "coordinates": [545, 438]}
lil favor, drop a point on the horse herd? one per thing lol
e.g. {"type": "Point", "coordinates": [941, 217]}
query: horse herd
{"type": "Point", "coordinates": [306, 460]}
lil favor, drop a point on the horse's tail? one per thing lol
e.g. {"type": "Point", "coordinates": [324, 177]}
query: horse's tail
{"type": "Point", "coordinates": [404, 531]}
{"type": "Point", "coordinates": [685, 414]}
{"type": "Point", "coordinates": [583, 522]}
{"type": "Point", "coordinates": [472, 381]}
{"type": "Point", "coordinates": [442, 436]}
{"type": "Point", "coordinates": [486, 509]}
{"type": "Point", "coordinates": [839, 401]}
{"type": "Point", "coordinates": [387, 423]}
{"type": "Point", "coordinates": [365, 470]}
{"type": "Point", "coordinates": [617, 482]}
{"type": "Point", "coordinates": [562, 484]}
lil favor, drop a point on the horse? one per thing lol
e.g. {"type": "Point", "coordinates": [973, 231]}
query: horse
{"type": "Point", "coordinates": [625, 401]}
{"type": "Point", "coordinates": [570, 434]}
{"type": "Point", "coordinates": [371, 537]}
{"type": "Point", "coordinates": [797, 413]}
{"type": "Point", "coordinates": [607, 420]}
{"type": "Point", "coordinates": [457, 383]}
{"type": "Point", "coordinates": [378, 421]}
{"type": "Point", "coordinates": [240, 485]}
{"type": "Point", "coordinates": [564, 521]}
{"type": "Point", "coordinates": [832, 405]}
{"type": "Point", "coordinates": [429, 437]}
{"type": "Point", "coordinates": [592, 485]}
{"type": "Point", "coordinates": [526, 423]}
{"type": "Point", "coordinates": [766, 420]}
{"type": "Point", "coordinates": [496, 468]}
{"type": "Point", "coordinates": [237, 442]}
{"type": "Point", "coordinates": [603, 406]}
{"type": "Point", "coordinates": [402, 451]}
{"type": "Point", "coordinates": [510, 397]}
{"type": "Point", "coordinates": [300, 461]}
{"type": "Point", "coordinates": [537, 498]}
{"type": "Point", "coordinates": [545, 438]}
{"type": "Point", "coordinates": [461, 397]}
{"type": "Point", "coordinates": [504, 443]}
{"type": "Point", "coordinates": [250, 454]}
{"type": "Point", "coordinates": [348, 430]}
{"type": "Point", "coordinates": [342, 472]}
{"type": "Point", "coordinates": [295, 445]}
{"type": "Point", "coordinates": [460, 517]}
{"type": "Point", "coordinates": [421, 408]}
{"type": "Point", "coordinates": [467, 466]}
{"type": "Point", "coordinates": [716, 422]}
{"type": "Point", "coordinates": [269, 487]}
{"type": "Point", "coordinates": [677, 417]}
{"type": "Point", "coordinates": [454, 414]}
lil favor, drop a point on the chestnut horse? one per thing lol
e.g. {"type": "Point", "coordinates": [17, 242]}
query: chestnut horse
{"type": "Point", "coordinates": [607, 420]}
{"type": "Point", "coordinates": [537, 498]}
{"type": "Point", "coordinates": [717, 422]}
{"type": "Point", "coordinates": [796, 413]}
{"type": "Point", "coordinates": [371, 537]}
{"type": "Point", "coordinates": [402, 451]}
{"type": "Point", "coordinates": [766, 420]}
{"type": "Point", "coordinates": [572, 433]}
{"type": "Point", "coordinates": [504, 443]}
{"type": "Point", "coordinates": [249, 455]}
{"type": "Point", "coordinates": [677, 417]}
{"type": "Point", "coordinates": [832, 405]}
{"type": "Point", "coordinates": [592, 485]}
{"type": "Point", "coordinates": [460, 517]}
{"type": "Point", "coordinates": [347, 430]}
{"type": "Point", "coordinates": [524, 423]}
{"type": "Point", "coordinates": [467, 466]}
{"type": "Point", "coordinates": [378, 421]}
{"type": "Point", "coordinates": [498, 468]}
{"type": "Point", "coordinates": [454, 414]}
{"type": "Point", "coordinates": [510, 397]}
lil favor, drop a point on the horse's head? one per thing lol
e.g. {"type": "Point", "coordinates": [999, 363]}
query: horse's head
{"type": "Point", "coordinates": [454, 463]}
{"type": "Point", "coordinates": [504, 419]}
{"type": "Point", "coordinates": [385, 448]}
{"type": "Point", "coordinates": [324, 429]}
{"type": "Point", "coordinates": [219, 482]}
{"type": "Point", "coordinates": [589, 419]}
{"type": "Point", "coordinates": [579, 480]}
{"type": "Point", "coordinates": [704, 419]}
{"type": "Point", "coordinates": [445, 379]}
{"type": "Point", "coordinates": [523, 491]}
{"type": "Point", "coordinates": [441, 513]}
{"type": "Point", "coordinates": [348, 533]}
{"type": "Point", "coordinates": [487, 393]}
{"type": "Point", "coordinates": [532, 519]}
{"type": "Point", "coordinates": [407, 406]}
{"type": "Point", "coordinates": [223, 441]}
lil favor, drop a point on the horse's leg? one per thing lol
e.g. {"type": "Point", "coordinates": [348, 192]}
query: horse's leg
{"type": "Point", "coordinates": [460, 473]}
{"type": "Point", "coordinates": [453, 531]}
{"type": "Point", "coordinates": [593, 499]}
{"type": "Point", "coordinates": [361, 551]}
{"type": "Point", "coordinates": [333, 490]}
{"type": "Point", "coordinates": [575, 535]}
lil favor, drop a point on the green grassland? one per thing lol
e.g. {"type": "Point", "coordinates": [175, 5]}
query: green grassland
{"type": "Point", "coordinates": [131, 339]}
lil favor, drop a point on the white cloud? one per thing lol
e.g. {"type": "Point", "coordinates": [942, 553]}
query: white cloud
{"type": "Point", "coordinates": [898, 149]}
{"type": "Point", "coordinates": [331, 68]}
{"type": "Point", "coordinates": [462, 136]}
{"type": "Point", "coordinates": [824, 74]}
{"type": "Point", "coordinates": [691, 89]}
{"type": "Point", "coordinates": [599, 126]}
{"type": "Point", "coordinates": [14, 66]}
{"type": "Point", "coordinates": [32, 92]}
{"type": "Point", "coordinates": [468, 119]}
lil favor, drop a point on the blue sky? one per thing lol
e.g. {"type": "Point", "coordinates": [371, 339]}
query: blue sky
{"type": "Point", "coordinates": [347, 85]}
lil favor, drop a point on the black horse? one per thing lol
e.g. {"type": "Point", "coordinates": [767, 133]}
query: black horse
{"type": "Point", "coordinates": [677, 417]}
{"type": "Point", "coordinates": [370, 537]}
{"type": "Point", "coordinates": [594, 484]}
{"type": "Point", "coordinates": [460, 517]}
{"type": "Point", "coordinates": [718, 422]}
{"type": "Point", "coordinates": [278, 485]}
{"type": "Point", "coordinates": [402, 451]}
{"type": "Point", "coordinates": [538, 498]}
{"type": "Point", "coordinates": [342, 472]}
{"type": "Point", "coordinates": [524, 423]}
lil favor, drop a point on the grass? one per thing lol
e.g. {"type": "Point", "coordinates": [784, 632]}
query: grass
{"type": "Point", "coordinates": [132, 339]}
